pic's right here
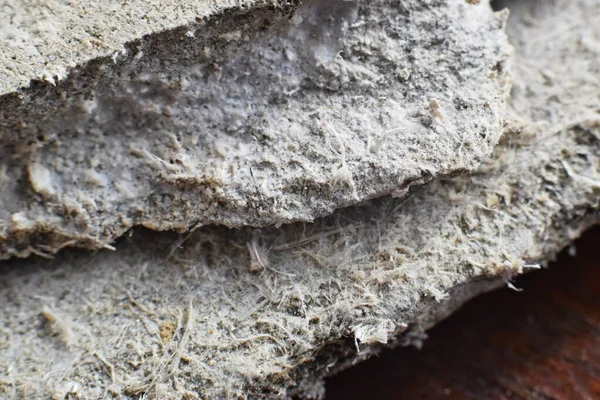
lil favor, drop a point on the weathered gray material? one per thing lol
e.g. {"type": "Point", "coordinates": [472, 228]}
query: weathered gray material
{"type": "Point", "coordinates": [268, 312]}
{"type": "Point", "coordinates": [252, 116]}
{"type": "Point", "coordinates": [46, 39]}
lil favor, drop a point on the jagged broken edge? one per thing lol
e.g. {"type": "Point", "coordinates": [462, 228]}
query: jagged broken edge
{"type": "Point", "coordinates": [42, 97]}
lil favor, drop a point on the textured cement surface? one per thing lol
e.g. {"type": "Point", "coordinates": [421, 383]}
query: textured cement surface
{"type": "Point", "coordinates": [268, 312]}
{"type": "Point", "coordinates": [43, 40]}
{"type": "Point", "coordinates": [256, 116]}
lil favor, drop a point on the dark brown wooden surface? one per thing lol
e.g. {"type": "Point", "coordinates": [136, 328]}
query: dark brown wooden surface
{"type": "Point", "coordinates": [542, 343]}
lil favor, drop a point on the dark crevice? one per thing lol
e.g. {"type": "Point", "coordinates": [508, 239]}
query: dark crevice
{"type": "Point", "coordinates": [499, 5]}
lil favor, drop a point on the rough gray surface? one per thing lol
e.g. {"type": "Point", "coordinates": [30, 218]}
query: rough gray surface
{"type": "Point", "coordinates": [257, 116]}
{"type": "Point", "coordinates": [45, 39]}
{"type": "Point", "coordinates": [268, 313]}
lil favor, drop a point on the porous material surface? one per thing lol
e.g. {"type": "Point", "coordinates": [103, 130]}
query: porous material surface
{"type": "Point", "coordinates": [251, 115]}
{"type": "Point", "coordinates": [266, 313]}
{"type": "Point", "coordinates": [44, 40]}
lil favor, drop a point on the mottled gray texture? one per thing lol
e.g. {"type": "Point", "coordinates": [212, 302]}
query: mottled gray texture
{"type": "Point", "coordinates": [256, 116]}
{"type": "Point", "coordinates": [269, 312]}
{"type": "Point", "coordinates": [44, 39]}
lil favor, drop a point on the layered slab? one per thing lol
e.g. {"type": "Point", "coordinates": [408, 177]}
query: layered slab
{"type": "Point", "coordinates": [268, 312]}
{"type": "Point", "coordinates": [254, 115]}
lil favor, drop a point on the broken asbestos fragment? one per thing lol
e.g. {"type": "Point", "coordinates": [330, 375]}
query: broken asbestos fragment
{"type": "Point", "coordinates": [252, 116]}
{"type": "Point", "coordinates": [267, 313]}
